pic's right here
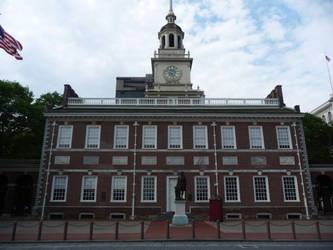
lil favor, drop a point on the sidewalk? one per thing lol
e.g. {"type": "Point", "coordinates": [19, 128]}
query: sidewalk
{"type": "Point", "coordinates": [162, 230]}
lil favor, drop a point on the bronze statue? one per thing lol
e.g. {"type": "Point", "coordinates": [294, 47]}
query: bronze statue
{"type": "Point", "coordinates": [180, 188]}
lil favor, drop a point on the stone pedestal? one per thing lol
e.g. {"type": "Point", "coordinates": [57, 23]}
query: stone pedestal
{"type": "Point", "coordinates": [180, 218]}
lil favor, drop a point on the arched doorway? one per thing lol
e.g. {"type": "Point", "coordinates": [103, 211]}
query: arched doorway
{"type": "Point", "coordinates": [3, 192]}
{"type": "Point", "coordinates": [324, 193]}
{"type": "Point", "coordinates": [23, 196]}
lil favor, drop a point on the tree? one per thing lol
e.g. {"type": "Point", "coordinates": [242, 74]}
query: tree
{"type": "Point", "coordinates": [22, 120]}
{"type": "Point", "coordinates": [319, 139]}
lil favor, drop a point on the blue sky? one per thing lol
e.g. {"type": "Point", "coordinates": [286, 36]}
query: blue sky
{"type": "Point", "coordinates": [241, 48]}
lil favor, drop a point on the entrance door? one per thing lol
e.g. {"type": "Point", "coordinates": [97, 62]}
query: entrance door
{"type": "Point", "coordinates": [171, 182]}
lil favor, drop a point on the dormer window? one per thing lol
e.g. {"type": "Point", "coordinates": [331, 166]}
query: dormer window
{"type": "Point", "coordinates": [171, 40]}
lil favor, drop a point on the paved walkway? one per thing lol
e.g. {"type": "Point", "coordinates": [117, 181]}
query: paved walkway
{"type": "Point", "coordinates": [161, 230]}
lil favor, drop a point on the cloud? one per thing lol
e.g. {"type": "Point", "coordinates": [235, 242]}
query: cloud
{"type": "Point", "coordinates": [241, 48]}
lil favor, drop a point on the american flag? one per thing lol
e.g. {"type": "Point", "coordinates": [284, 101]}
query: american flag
{"type": "Point", "coordinates": [10, 44]}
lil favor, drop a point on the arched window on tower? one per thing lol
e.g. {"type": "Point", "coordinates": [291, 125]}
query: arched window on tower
{"type": "Point", "coordinates": [179, 42]}
{"type": "Point", "coordinates": [163, 42]}
{"type": "Point", "coordinates": [171, 40]}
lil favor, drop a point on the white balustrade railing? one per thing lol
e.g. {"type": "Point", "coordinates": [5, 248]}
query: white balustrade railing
{"type": "Point", "coordinates": [171, 102]}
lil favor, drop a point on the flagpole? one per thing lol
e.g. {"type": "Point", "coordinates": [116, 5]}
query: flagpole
{"type": "Point", "coordinates": [329, 74]}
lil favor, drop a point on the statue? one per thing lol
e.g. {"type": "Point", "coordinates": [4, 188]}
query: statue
{"type": "Point", "coordinates": [180, 188]}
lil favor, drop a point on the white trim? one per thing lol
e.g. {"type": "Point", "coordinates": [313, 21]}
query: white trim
{"type": "Point", "coordinates": [121, 214]}
{"type": "Point", "coordinates": [125, 193]}
{"type": "Point", "coordinates": [143, 137]}
{"type": "Point", "coordinates": [262, 137]}
{"type": "Point", "coordinates": [181, 136]}
{"type": "Point", "coordinates": [52, 191]}
{"type": "Point", "coordinates": [82, 182]}
{"type": "Point", "coordinates": [289, 137]}
{"type": "Point", "coordinates": [155, 189]}
{"type": "Point", "coordinates": [115, 136]}
{"type": "Point", "coordinates": [267, 188]}
{"type": "Point", "coordinates": [99, 136]}
{"type": "Point", "coordinates": [225, 189]}
{"type": "Point", "coordinates": [84, 213]}
{"type": "Point", "coordinates": [50, 214]}
{"type": "Point", "coordinates": [233, 214]}
{"type": "Point", "coordinates": [234, 137]}
{"type": "Point", "coordinates": [58, 137]}
{"type": "Point", "coordinates": [293, 214]}
{"type": "Point", "coordinates": [264, 214]}
{"type": "Point", "coordinates": [206, 137]}
{"type": "Point", "coordinates": [296, 188]}
{"type": "Point", "coordinates": [195, 189]}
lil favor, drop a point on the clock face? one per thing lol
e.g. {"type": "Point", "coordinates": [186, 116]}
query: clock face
{"type": "Point", "coordinates": [172, 73]}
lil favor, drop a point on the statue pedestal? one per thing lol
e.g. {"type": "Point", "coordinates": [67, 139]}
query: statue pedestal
{"type": "Point", "coordinates": [180, 218]}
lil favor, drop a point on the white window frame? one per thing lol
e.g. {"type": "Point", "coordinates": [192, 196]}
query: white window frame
{"type": "Point", "coordinates": [99, 136]}
{"type": "Point", "coordinates": [71, 136]}
{"type": "Point", "coordinates": [262, 137]}
{"type": "Point", "coordinates": [195, 146]}
{"type": "Point", "coordinates": [112, 188]}
{"type": "Point", "coordinates": [289, 137]}
{"type": "Point", "coordinates": [80, 216]}
{"type": "Point", "coordinates": [267, 189]}
{"type": "Point", "coordinates": [296, 188]}
{"type": "Point", "coordinates": [195, 189]}
{"type": "Point", "coordinates": [155, 189]}
{"type": "Point", "coordinates": [225, 189]}
{"type": "Point", "coordinates": [143, 136]}
{"type": "Point", "coordinates": [82, 188]}
{"type": "Point", "coordinates": [234, 146]}
{"type": "Point", "coordinates": [115, 136]}
{"type": "Point", "coordinates": [227, 215]}
{"type": "Point", "coordinates": [66, 187]}
{"type": "Point", "coordinates": [264, 214]}
{"type": "Point", "coordinates": [181, 136]}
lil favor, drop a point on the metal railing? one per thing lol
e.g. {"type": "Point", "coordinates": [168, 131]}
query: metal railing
{"type": "Point", "coordinates": [172, 102]}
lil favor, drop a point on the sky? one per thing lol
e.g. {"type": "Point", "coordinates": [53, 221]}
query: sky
{"type": "Point", "coordinates": [240, 48]}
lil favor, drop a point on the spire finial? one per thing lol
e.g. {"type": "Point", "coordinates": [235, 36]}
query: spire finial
{"type": "Point", "coordinates": [171, 16]}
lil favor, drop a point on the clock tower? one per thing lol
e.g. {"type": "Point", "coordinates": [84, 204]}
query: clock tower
{"type": "Point", "coordinates": [171, 65]}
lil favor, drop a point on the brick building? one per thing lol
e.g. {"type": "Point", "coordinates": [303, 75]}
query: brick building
{"type": "Point", "coordinates": [120, 157]}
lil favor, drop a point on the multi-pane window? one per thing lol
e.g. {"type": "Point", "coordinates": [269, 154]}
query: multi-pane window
{"type": "Point", "coordinates": [175, 137]}
{"type": "Point", "coordinates": [59, 188]}
{"type": "Point", "coordinates": [200, 136]}
{"type": "Point", "coordinates": [283, 137]}
{"type": "Point", "coordinates": [93, 136]}
{"type": "Point", "coordinates": [149, 136]}
{"type": "Point", "coordinates": [148, 189]}
{"type": "Point", "coordinates": [121, 136]}
{"type": "Point", "coordinates": [202, 193]}
{"type": "Point", "coordinates": [256, 137]}
{"type": "Point", "coordinates": [261, 190]}
{"type": "Point", "coordinates": [231, 188]}
{"type": "Point", "coordinates": [65, 136]}
{"type": "Point", "coordinates": [228, 137]}
{"type": "Point", "coordinates": [119, 187]}
{"type": "Point", "coordinates": [89, 187]}
{"type": "Point", "coordinates": [290, 189]}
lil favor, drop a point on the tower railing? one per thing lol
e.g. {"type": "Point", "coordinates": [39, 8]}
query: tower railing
{"type": "Point", "coordinates": [172, 102]}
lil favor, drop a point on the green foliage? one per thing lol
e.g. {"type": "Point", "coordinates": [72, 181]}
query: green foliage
{"type": "Point", "coordinates": [319, 139]}
{"type": "Point", "coordinates": [22, 120]}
